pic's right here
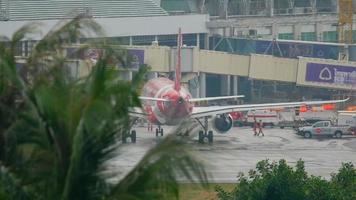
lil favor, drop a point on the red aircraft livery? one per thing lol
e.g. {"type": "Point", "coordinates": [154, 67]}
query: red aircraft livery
{"type": "Point", "coordinates": [166, 102]}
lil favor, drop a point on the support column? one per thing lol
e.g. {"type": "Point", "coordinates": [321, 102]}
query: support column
{"type": "Point", "coordinates": [246, 6]}
{"type": "Point", "coordinates": [253, 98]}
{"type": "Point", "coordinates": [297, 32]}
{"type": "Point", "coordinates": [202, 85]}
{"type": "Point", "coordinates": [319, 31]}
{"type": "Point", "coordinates": [225, 85]}
{"type": "Point", "coordinates": [198, 40]}
{"type": "Point", "coordinates": [270, 8]}
{"type": "Point", "coordinates": [275, 30]}
{"type": "Point", "coordinates": [313, 5]}
{"type": "Point", "coordinates": [129, 75]}
{"type": "Point", "coordinates": [126, 75]}
{"type": "Point", "coordinates": [223, 9]}
{"type": "Point", "coordinates": [235, 86]}
{"type": "Point", "coordinates": [335, 5]}
{"type": "Point", "coordinates": [130, 40]}
{"type": "Point", "coordinates": [206, 43]}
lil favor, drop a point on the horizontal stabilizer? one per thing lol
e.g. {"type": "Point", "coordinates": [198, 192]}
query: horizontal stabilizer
{"type": "Point", "coordinates": [215, 98]}
{"type": "Point", "coordinates": [153, 99]}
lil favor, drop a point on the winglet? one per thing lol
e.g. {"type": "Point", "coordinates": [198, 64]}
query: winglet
{"type": "Point", "coordinates": [178, 61]}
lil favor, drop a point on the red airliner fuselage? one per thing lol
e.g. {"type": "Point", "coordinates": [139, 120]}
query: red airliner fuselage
{"type": "Point", "coordinates": [166, 112]}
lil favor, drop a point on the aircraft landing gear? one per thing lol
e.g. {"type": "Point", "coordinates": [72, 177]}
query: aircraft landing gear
{"type": "Point", "coordinates": [131, 135]}
{"type": "Point", "coordinates": [159, 131]}
{"type": "Point", "coordinates": [205, 133]}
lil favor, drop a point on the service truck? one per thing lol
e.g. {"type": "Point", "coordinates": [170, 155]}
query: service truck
{"type": "Point", "coordinates": [267, 117]}
{"type": "Point", "coordinates": [323, 128]}
{"type": "Point", "coordinates": [346, 119]}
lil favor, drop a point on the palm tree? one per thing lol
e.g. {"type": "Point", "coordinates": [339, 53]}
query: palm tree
{"type": "Point", "coordinates": [61, 130]}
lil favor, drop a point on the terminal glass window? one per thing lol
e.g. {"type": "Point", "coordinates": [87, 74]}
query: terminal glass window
{"type": "Point", "coordinates": [330, 36]}
{"type": "Point", "coordinates": [167, 40]}
{"type": "Point", "coordinates": [353, 36]}
{"type": "Point", "coordinates": [286, 36]}
{"type": "Point", "coordinates": [308, 36]}
{"type": "Point", "coordinates": [324, 5]}
{"type": "Point", "coordinates": [190, 39]}
{"type": "Point", "coordinates": [302, 3]}
{"type": "Point", "coordinates": [143, 40]}
{"type": "Point", "coordinates": [202, 41]}
{"type": "Point", "coordinates": [119, 40]}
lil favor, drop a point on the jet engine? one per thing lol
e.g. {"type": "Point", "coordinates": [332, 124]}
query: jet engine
{"type": "Point", "coordinates": [222, 123]}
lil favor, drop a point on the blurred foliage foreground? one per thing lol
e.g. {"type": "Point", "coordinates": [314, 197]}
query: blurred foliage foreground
{"type": "Point", "coordinates": [57, 132]}
{"type": "Point", "coordinates": [278, 181]}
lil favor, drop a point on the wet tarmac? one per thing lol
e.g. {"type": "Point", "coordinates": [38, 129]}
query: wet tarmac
{"type": "Point", "coordinates": [239, 151]}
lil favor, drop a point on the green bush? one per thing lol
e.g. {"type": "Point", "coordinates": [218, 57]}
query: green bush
{"type": "Point", "coordinates": [272, 180]}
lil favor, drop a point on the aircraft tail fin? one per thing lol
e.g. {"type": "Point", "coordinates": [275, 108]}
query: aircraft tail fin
{"type": "Point", "coordinates": [178, 72]}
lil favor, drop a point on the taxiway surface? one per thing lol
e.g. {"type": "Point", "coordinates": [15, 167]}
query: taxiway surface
{"type": "Point", "coordinates": [239, 151]}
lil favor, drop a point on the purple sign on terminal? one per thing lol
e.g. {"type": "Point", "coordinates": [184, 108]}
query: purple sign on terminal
{"type": "Point", "coordinates": [334, 74]}
{"type": "Point", "coordinates": [138, 57]}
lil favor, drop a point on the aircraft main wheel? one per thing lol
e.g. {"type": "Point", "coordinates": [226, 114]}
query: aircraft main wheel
{"type": "Point", "coordinates": [161, 132]}
{"type": "Point", "coordinates": [201, 137]}
{"type": "Point", "coordinates": [157, 132]}
{"type": "Point", "coordinates": [210, 136]}
{"type": "Point", "coordinates": [133, 136]}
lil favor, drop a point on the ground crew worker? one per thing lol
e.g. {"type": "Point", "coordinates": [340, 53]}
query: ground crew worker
{"type": "Point", "coordinates": [149, 127]}
{"type": "Point", "coordinates": [260, 125]}
{"type": "Point", "coordinates": [255, 127]}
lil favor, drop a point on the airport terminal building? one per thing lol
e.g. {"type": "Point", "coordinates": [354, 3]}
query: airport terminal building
{"type": "Point", "coordinates": [268, 50]}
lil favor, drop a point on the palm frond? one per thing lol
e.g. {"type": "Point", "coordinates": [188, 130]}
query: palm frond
{"type": "Point", "coordinates": [104, 119]}
{"type": "Point", "coordinates": [66, 129]}
{"type": "Point", "coordinates": [65, 33]}
{"type": "Point", "coordinates": [30, 28]}
{"type": "Point", "coordinates": [14, 191]}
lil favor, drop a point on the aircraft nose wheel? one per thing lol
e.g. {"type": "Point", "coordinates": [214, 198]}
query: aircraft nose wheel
{"type": "Point", "coordinates": [131, 135]}
{"type": "Point", "coordinates": [203, 135]}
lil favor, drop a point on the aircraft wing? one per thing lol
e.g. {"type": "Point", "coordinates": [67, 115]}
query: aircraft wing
{"type": "Point", "coordinates": [152, 99]}
{"type": "Point", "coordinates": [215, 98]}
{"type": "Point", "coordinates": [137, 112]}
{"type": "Point", "coordinates": [215, 110]}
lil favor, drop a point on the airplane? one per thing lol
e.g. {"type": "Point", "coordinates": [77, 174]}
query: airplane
{"type": "Point", "coordinates": [166, 102]}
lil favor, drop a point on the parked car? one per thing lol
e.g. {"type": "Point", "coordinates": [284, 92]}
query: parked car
{"type": "Point", "coordinates": [323, 128]}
